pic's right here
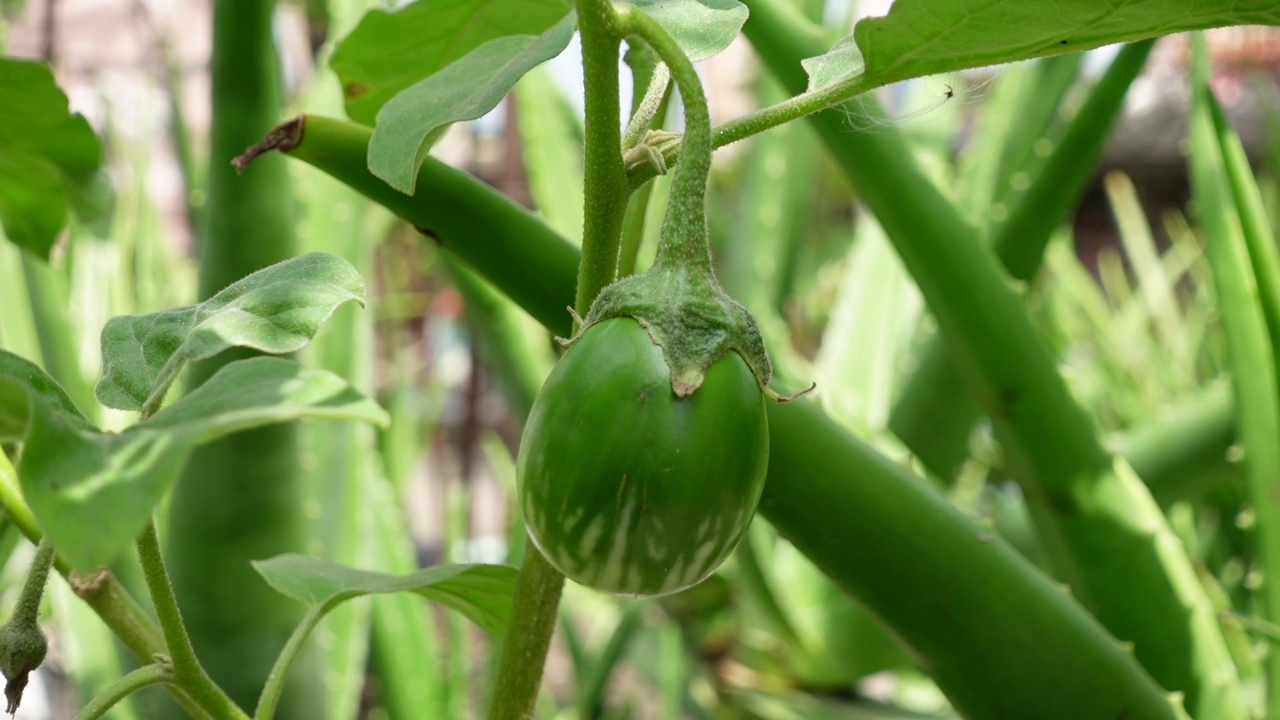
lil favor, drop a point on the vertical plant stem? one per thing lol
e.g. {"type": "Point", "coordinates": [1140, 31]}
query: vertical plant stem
{"type": "Point", "coordinates": [524, 652]}
{"type": "Point", "coordinates": [605, 180]}
{"type": "Point", "coordinates": [605, 191]}
{"type": "Point", "coordinates": [186, 666]}
{"type": "Point", "coordinates": [241, 498]}
{"type": "Point", "coordinates": [27, 610]}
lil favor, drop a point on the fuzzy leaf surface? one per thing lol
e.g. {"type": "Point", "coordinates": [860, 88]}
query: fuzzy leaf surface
{"type": "Point", "coordinates": [481, 592]}
{"type": "Point", "coordinates": [926, 37]}
{"type": "Point", "coordinates": [392, 50]}
{"type": "Point", "coordinates": [465, 90]}
{"type": "Point", "coordinates": [842, 61]}
{"type": "Point", "coordinates": [93, 492]}
{"type": "Point", "coordinates": [49, 157]}
{"type": "Point", "coordinates": [702, 28]}
{"type": "Point", "coordinates": [275, 310]}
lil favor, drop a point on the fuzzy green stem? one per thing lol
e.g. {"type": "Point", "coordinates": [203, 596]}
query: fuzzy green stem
{"type": "Point", "coordinates": [28, 608]}
{"type": "Point", "coordinates": [274, 686]}
{"type": "Point", "coordinates": [186, 666]}
{"type": "Point", "coordinates": [684, 231]}
{"type": "Point", "coordinates": [143, 677]}
{"type": "Point", "coordinates": [524, 652]}
{"type": "Point", "coordinates": [605, 186]}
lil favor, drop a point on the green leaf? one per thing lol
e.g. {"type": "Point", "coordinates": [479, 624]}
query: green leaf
{"type": "Point", "coordinates": [20, 380]}
{"type": "Point", "coordinates": [93, 491]}
{"type": "Point", "coordinates": [702, 28]}
{"type": "Point", "coordinates": [389, 51]}
{"type": "Point", "coordinates": [49, 157]}
{"type": "Point", "coordinates": [926, 37]}
{"type": "Point", "coordinates": [481, 592]}
{"type": "Point", "coordinates": [275, 310]}
{"type": "Point", "coordinates": [465, 90]}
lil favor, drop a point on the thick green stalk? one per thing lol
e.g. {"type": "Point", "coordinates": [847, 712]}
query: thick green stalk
{"type": "Point", "coordinates": [1250, 354]}
{"type": "Point", "coordinates": [1102, 531]}
{"type": "Point", "coordinates": [1003, 623]}
{"type": "Point", "coordinates": [531, 273]}
{"type": "Point", "coordinates": [241, 498]}
{"type": "Point", "coordinates": [1041, 651]}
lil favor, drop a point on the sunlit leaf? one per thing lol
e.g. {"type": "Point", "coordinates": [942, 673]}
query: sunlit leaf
{"type": "Point", "coordinates": [275, 310]}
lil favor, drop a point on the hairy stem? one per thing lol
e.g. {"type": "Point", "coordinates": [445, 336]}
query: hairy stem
{"type": "Point", "coordinates": [28, 608]}
{"type": "Point", "coordinates": [524, 652]}
{"type": "Point", "coordinates": [186, 666]}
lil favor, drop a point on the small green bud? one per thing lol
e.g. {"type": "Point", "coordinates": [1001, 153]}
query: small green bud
{"type": "Point", "coordinates": [22, 649]}
{"type": "Point", "coordinates": [22, 645]}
